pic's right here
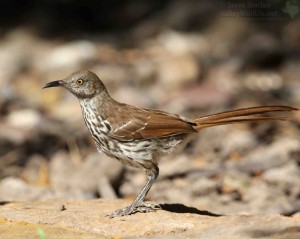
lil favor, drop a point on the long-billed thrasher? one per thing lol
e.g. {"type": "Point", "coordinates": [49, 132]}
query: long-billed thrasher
{"type": "Point", "coordinates": [139, 137]}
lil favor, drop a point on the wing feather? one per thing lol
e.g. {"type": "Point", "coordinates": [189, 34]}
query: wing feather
{"type": "Point", "coordinates": [148, 123]}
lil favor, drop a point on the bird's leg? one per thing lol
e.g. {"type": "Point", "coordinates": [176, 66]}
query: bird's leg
{"type": "Point", "coordinates": [138, 205]}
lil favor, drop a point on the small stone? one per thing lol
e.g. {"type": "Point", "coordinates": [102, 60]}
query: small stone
{"type": "Point", "coordinates": [288, 174]}
{"type": "Point", "coordinates": [177, 71]}
{"type": "Point", "coordinates": [15, 189]}
{"type": "Point", "coordinates": [68, 55]}
{"type": "Point", "coordinates": [25, 119]}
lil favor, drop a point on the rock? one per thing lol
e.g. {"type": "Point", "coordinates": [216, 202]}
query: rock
{"type": "Point", "coordinates": [15, 189]}
{"type": "Point", "coordinates": [238, 140]}
{"type": "Point", "coordinates": [105, 188]}
{"type": "Point", "coordinates": [130, 96]}
{"type": "Point", "coordinates": [264, 81]}
{"type": "Point", "coordinates": [265, 157]}
{"type": "Point", "coordinates": [36, 171]}
{"type": "Point", "coordinates": [68, 111]}
{"type": "Point", "coordinates": [203, 186]}
{"type": "Point", "coordinates": [12, 230]}
{"type": "Point", "coordinates": [97, 167]}
{"type": "Point", "coordinates": [195, 96]}
{"type": "Point", "coordinates": [181, 43]}
{"type": "Point", "coordinates": [288, 174]}
{"type": "Point", "coordinates": [87, 219]}
{"type": "Point", "coordinates": [177, 165]}
{"type": "Point", "coordinates": [178, 71]}
{"type": "Point", "coordinates": [82, 180]}
{"type": "Point", "coordinates": [67, 55]}
{"type": "Point", "coordinates": [13, 134]}
{"type": "Point", "coordinates": [15, 55]}
{"type": "Point", "coordinates": [61, 169]}
{"type": "Point", "coordinates": [30, 119]}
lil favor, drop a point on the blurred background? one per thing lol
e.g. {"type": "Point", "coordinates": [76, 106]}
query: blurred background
{"type": "Point", "coordinates": [191, 57]}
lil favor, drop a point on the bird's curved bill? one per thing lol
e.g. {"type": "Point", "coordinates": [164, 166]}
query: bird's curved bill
{"type": "Point", "coordinates": [53, 84]}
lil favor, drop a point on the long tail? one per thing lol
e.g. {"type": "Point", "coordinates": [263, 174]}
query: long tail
{"type": "Point", "coordinates": [238, 116]}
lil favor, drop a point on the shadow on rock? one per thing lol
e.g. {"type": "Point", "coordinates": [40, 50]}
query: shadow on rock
{"type": "Point", "coordinates": [267, 233]}
{"type": "Point", "coordinates": [180, 208]}
{"type": "Point", "coordinates": [2, 203]}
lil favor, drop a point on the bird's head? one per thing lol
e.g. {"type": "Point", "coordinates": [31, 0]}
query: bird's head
{"type": "Point", "coordinates": [83, 84]}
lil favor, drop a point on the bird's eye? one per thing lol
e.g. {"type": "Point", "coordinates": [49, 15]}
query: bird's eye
{"type": "Point", "coordinates": [79, 82]}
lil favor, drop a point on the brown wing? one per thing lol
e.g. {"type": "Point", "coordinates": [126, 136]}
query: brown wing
{"type": "Point", "coordinates": [133, 123]}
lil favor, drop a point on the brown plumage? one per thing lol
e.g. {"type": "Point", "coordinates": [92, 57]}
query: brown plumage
{"type": "Point", "coordinates": [149, 123]}
{"type": "Point", "coordinates": [139, 137]}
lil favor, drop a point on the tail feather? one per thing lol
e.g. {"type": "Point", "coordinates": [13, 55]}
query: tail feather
{"type": "Point", "coordinates": [238, 116]}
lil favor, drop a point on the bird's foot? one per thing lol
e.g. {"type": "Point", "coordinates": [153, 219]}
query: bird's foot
{"type": "Point", "coordinates": [144, 207]}
{"type": "Point", "coordinates": [148, 207]}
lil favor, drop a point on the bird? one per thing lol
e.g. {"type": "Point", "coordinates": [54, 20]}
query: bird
{"type": "Point", "coordinates": [139, 137]}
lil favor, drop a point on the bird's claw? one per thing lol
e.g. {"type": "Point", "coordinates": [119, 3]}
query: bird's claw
{"type": "Point", "coordinates": [144, 208]}
{"type": "Point", "coordinates": [148, 207]}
